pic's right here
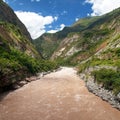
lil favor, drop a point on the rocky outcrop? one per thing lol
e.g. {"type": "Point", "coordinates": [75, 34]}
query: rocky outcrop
{"type": "Point", "coordinates": [65, 49]}
{"type": "Point", "coordinates": [72, 51]}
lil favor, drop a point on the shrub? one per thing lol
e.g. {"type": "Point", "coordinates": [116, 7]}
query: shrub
{"type": "Point", "coordinates": [118, 52]}
{"type": "Point", "coordinates": [116, 86]}
{"type": "Point", "coordinates": [15, 65]}
{"type": "Point", "coordinates": [109, 78]}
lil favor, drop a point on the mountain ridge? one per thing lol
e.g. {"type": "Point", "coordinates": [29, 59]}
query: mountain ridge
{"type": "Point", "coordinates": [80, 26]}
{"type": "Point", "coordinates": [55, 38]}
{"type": "Point", "coordinates": [13, 19]}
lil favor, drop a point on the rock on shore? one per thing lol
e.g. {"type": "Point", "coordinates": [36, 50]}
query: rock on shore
{"type": "Point", "coordinates": [98, 90]}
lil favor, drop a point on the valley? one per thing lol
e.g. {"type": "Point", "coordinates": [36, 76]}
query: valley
{"type": "Point", "coordinates": [88, 50]}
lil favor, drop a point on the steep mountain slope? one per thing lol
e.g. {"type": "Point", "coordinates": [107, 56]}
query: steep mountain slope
{"type": "Point", "coordinates": [15, 48]}
{"type": "Point", "coordinates": [103, 67]}
{"type": "Point", "coordinates": [13, 37]}
{"type": "Point", "coordinates": [18, 56]}
{"type": "Point", "coordinates": [79, 46]}
{"type": "Point", "coordinates": [48, 43]}
{"type": "Point", "coordinates": [7, 15]}
{"type": "Point", "coordinates": [14, 32]}
{"type": "Point", "coordinates": [80, 41]}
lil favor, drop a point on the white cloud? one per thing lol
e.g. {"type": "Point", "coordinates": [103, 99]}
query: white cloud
{"type": "Point", "coordinates": [34, 22]}
{"type": "Point", "coordinates": [76, 19]}
{"type": "Point", "coordinates": [101, 7]}
{"type": "Point", "coordinates": [62, 26]}
{"type": "Point", "coordinates": [55, 18]}
{"type": "Point", "coordinates": [5, 1]}
{"type": "Point", "coordinates": [88, 14]}
{"type": "Point", "coordinates": [53, 31]}
{"type": "Point", "coordinates": [58, 29]}
{"type": "Point", "coordinates": [35, 0]}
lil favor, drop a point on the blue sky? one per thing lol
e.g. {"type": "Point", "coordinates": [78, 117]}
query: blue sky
{"type": "Point", "coordinates": [40, 16]}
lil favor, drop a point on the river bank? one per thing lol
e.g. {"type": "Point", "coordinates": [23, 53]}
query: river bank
{"type": "Point", "coordinates": [99, 91]}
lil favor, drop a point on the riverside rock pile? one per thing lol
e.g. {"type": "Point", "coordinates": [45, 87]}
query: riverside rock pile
{"type": "Point", "coordinates": [98, 90]}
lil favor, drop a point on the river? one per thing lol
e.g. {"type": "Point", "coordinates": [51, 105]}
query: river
{"type": "Point", "coordinates": [60, 95]}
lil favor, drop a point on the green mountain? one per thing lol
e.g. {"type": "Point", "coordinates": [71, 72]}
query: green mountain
{"type": "Point", "coordinates": [7, 15]}
{"type": "Point", "coordinates": [79, 46]}
{"type": "Point", "coordinates": [18, 56]}
{"type": "Point", "coordinates": [90, 42]}
{"type": "Point", "coordinates": [78, 38]}
{"type": "Point", "coordinates": [48, 43]}
{"type": "Point", "coordinates": [13, 31]}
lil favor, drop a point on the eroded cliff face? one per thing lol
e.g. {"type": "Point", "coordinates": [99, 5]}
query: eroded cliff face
{"type": "Point", "coordinates": [100, 35]}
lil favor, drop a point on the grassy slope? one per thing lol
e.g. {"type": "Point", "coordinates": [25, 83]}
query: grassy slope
{"type": "Point", "coordinates": [92, 39]}
{"type": "Point", "coordinates": [104, 65]}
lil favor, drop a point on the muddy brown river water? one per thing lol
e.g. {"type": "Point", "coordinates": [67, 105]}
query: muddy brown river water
{"type": "Point", "coordinates": [61, 95]}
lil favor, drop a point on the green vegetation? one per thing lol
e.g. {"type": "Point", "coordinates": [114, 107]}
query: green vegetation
{"type": "Point", "coordinates": [117, 52]}
{"type": "Point", "coordinates": [110, 79]}
{"type": "Point", "coordinates": [48, 43]}
{"type": "Point", "coordinates": [107, 59]}
{"type": "Point", "coordinates": [65, 62]}
{"type": "Point", "coordinates": [82, 67]}
{"type": "Point", "coordinates": [13, 37]}
{"type": "Point", "coordinates": [14, 61]}
{"type": "Point", "coordinates": [18, 56]}
{"type": "Point", "coordinates": [91, 32]}
{"type": "Point", "coordinates": [85, 22]}
{"type": "Point", "coordinates": [46, 47]}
